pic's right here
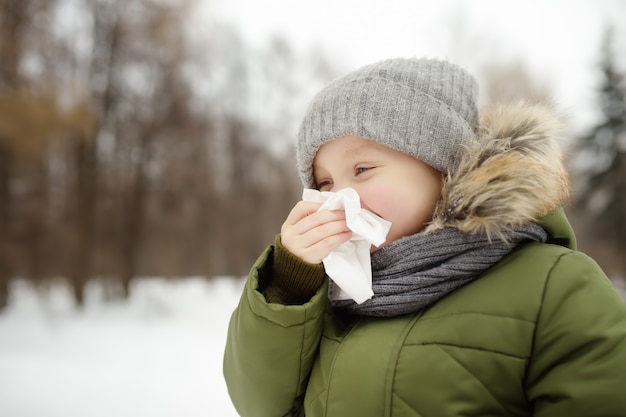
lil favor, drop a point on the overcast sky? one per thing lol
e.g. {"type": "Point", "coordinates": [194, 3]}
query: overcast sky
{"type": "Point", "coordinates": [558, 40]}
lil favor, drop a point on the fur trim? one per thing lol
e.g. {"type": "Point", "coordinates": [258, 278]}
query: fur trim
{"type": "Point", "coordinates": [512, 174]}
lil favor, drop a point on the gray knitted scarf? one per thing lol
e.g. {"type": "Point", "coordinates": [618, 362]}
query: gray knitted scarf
{"type": "Point", "coordinates": [416, 271]}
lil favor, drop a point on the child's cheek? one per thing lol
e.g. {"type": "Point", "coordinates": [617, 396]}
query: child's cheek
{"type": "Point", "coordinates": [379, 201]}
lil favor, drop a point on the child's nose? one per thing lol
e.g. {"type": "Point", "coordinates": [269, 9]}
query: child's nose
{"type": "Point", "coordinates": [338, 186]}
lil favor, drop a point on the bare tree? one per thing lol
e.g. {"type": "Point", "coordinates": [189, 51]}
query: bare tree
{"type": "Point", "coordinates": [30, 116]}
{"type": "Point", "coordinates": [600, 165]}
{"type": "Point", "coordinates": [127, 150]}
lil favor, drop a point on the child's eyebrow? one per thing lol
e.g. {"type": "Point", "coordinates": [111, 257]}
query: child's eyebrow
{"type": "Point", "coordinates": [356, 150]}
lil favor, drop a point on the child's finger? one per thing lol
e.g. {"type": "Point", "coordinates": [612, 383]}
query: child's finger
{"type": "Point", "coordinates": [313, 243]}
{"type": "Point", "coordinates": [314, 235]}
{"type": "Point", "coordinates": [318, 251]}
{"type": "Point", "coordinates": [317, 219]}
{"type": "Point", "coordinates": [301, 210]}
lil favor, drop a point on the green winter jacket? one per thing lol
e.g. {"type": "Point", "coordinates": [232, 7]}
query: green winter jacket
{"type": "Point", "coordinates": [541, 333]}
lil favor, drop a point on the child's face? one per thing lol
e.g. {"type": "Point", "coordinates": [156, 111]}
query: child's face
{"type": "Point", "coordinates": [391, 184]}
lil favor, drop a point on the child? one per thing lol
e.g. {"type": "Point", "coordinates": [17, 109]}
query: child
{"type": "Point", "coordinates": [482, 306]}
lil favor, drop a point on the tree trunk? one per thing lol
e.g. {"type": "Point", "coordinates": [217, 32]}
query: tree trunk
{"type": "Point", "coordinates": [133, 214]}
{"type": "Point", "coordinates": [86, 171]}
{"type": "Point", "coordinates": [6, 258]}
{"type": "Point", "coordinates": [132, 231]}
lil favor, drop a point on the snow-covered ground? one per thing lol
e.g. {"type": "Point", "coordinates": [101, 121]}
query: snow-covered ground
{"type": "Point", "coordinates": [160, 354]}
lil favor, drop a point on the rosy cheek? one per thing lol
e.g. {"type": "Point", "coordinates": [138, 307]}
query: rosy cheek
{"type": "Point", "coordinates": [379, 201]}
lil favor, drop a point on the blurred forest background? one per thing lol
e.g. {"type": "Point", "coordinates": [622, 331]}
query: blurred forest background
{"type": "Point", "coordinates": [131, 146]}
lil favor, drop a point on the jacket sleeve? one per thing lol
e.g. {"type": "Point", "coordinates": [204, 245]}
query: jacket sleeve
{"type": "Point", "coordinates": [578, 365]}
{"type": "Point", "coordinates": [270, 348]}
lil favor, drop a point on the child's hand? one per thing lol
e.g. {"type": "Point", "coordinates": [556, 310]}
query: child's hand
{"type": "Point", "coordinates": [310, 234]}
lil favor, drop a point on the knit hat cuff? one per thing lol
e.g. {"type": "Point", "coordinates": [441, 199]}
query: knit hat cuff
{"type": "Point", "coordinates": [387, 112]}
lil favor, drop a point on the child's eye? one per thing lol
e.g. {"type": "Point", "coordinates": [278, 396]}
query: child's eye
{"type": "Point", "coordinates": [360, 170]}
{"type": "Point", "coordinates": [323, 185]}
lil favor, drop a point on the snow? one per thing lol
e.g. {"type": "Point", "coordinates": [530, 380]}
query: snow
{"type": "Point", "coordinates": [159, 354]}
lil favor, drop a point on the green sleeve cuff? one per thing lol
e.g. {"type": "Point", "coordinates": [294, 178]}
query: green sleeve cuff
{"type": "Point", "coordinates": [294, 281]}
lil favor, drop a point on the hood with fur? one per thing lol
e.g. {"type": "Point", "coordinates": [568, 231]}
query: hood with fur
{"type": "Point", "coordinates": [513, 173]}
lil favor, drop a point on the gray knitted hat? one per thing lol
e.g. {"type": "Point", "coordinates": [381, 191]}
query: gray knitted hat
{"type": "Point", "coordinates": [425, 108]}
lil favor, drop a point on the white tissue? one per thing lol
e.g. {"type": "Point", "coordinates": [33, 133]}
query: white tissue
{"type": "Point", "coordinates": [349, 265]}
